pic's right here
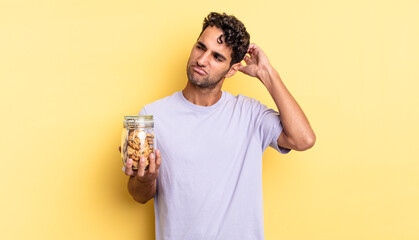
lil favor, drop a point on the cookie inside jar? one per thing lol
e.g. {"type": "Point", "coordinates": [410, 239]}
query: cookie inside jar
{"type": "Point", "coordinates": [140, 144]}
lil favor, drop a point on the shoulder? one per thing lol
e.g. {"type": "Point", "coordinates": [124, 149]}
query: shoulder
{"type": "Point", "coordinates": [243, 100]}
{"type": "Point", "coordinates": [161, 104]}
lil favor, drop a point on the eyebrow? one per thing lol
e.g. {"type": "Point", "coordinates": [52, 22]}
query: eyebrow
{"type": "Point", "coordinates": [217, 54]}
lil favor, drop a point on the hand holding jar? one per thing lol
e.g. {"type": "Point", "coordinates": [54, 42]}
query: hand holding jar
{"type": "Point", "coordinates": [138, 147]}
{"type": "Point", "coordinates": [141, 173]}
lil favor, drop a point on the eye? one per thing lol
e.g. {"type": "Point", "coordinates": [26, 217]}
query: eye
{"type": "Point", "coordinates": [218, 58]}
{"type": "Point", "coordinates": [199, 47]}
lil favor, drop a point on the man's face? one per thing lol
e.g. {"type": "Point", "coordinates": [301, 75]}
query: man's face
{"type": "Point", "coordinates": [209, 61]}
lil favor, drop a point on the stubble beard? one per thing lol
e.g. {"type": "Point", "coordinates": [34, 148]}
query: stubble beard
{"type": "Point", "coordinates": [205, 82]}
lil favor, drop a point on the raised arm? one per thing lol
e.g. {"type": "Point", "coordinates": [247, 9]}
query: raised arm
{"type": "Point", "coordinates": [297, 133]}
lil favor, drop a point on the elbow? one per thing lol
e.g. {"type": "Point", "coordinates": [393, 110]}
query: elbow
{"type": "Point", "coordinates": [138, 195]}
{"type": "Point", "coordinates": [307, 143]}
{"type": "Point", "coordinates": [142, 200]}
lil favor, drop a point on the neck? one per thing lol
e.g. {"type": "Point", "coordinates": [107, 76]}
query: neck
{"type": "Point", "coordinates": [202, 96]}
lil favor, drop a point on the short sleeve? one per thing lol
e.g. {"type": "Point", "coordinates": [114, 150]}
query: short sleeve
{"type": "Point", "coordinates": [270, 127]}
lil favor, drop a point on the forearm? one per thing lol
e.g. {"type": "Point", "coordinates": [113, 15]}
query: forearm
{"type": "Point", "coordinates": [141, 192]}
{"type": "Point", "coordinates": [295, 123]}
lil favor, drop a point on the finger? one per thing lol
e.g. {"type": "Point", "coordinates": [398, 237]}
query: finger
{"type": "Point", "coordinates": [158, 159]}
{"type": "Point", "coordinates": [128, 168]}
{"type": "Point", "coordinates": [252, 47]}
{"type": "Point", "coordinates": [246, 59]}
{"type": "Point", "coordinates": [141, 167]}
{"type": "Point", "coordinates": [152, 166]}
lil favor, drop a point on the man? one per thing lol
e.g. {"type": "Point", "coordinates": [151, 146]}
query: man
{"type": "Point", "coordinates": [206, 177]}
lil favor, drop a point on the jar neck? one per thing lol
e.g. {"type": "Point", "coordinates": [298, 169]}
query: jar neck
{"type": "Point", "coordinates": [138, 125]}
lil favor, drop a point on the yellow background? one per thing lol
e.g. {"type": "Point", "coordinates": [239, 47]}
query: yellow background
{"type": "Point", "coordinates": [70, 71]}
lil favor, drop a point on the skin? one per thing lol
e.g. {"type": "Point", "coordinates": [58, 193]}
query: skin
{"type": "Point", "coordinates": [297, 133]}
{"type": "Point", "coordinates": [207, 68]}
{"type": "Point", "coordinates": [214, 59]}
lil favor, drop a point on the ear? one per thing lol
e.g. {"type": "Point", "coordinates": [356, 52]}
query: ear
{"type": "Point", "coordinates": [233, 69]}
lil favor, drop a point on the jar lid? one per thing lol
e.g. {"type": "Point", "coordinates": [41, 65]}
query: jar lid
{"type": "Point", "coordinates": [144, 118]}
{"type": "Point", "coordinates": [138, 120]}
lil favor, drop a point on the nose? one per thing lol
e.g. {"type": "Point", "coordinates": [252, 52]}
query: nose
{"type": "Point", "coordinates": [202, 60]}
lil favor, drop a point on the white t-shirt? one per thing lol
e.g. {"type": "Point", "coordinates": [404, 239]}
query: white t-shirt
{"type": "Point", "coordinates": [210, 179]}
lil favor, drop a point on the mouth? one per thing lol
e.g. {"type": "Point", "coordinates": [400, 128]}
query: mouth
{"type": "Point", "coordinates": [199, 70]}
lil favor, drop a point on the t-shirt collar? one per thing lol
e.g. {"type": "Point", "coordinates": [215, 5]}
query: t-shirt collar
{"type": "Point", "coordinates": [202, 108]}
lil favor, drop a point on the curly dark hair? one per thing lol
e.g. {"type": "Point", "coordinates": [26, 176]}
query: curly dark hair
{"type": "Point", "coordinates": [234, 33]}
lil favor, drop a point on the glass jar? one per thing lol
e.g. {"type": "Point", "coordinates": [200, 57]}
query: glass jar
{"type": "Point", "coordinates": [137, 139]}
